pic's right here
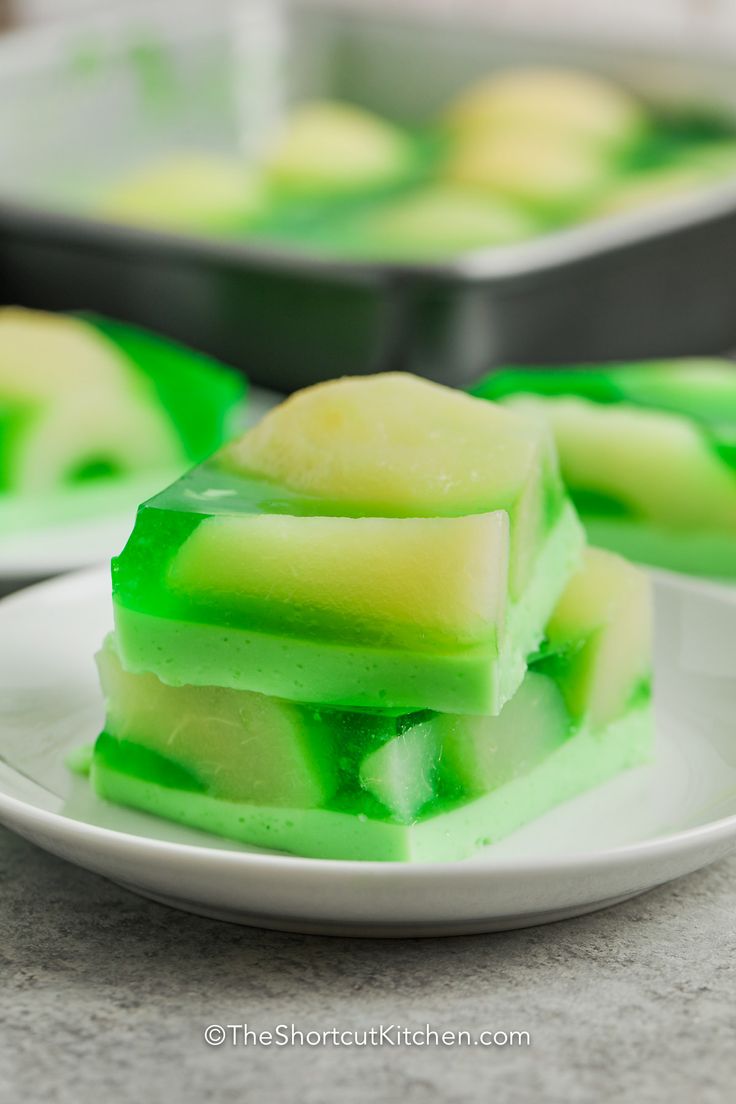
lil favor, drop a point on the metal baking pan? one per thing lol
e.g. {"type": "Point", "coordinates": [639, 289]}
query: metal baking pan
{"type": "Point", "coordinates": [78, 104]}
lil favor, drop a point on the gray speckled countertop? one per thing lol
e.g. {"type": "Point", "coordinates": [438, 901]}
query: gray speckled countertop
{"type": "Point", "coordinates": [104, 997]}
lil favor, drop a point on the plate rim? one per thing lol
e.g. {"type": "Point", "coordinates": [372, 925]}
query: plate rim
{"type": "Point", "coordinates": [594, 861]}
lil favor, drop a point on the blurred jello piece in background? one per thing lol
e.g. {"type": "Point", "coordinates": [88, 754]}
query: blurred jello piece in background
{"type": "Point", "coordinates": [441, 221]}
{"type": "Point", "coordinates": [648, 452]}
{"type": "Point", "coordinates": [191, 191]}
{"type": "Point", "coordinates": [566, 104]}
{"type": "Point", "coordinates": [327, 146]}
{"type": "Point", "coordinates": [690, 166]}
{"type": "Point", "coordinates": [556, 178]}
{"type": "Point", "coordinates": [548, 138]}
{"type": "Point", "coordinates": [92, 410]}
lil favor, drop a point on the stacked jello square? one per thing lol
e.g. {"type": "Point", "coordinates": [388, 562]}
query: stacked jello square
{"type": "Point", "coordinates": [369, 629]}
{"type": "Point", "coordinates": [647, 450]}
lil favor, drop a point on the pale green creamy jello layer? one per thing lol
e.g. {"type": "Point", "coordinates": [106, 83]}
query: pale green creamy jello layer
{"type": "Point", "coordinates": [648, 452]}
{"type": "Point", "coordinates": [383, 543]}
{"type": "Point", "coordinates": [422, 784]}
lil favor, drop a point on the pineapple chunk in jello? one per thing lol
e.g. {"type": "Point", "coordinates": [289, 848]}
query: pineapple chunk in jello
{"type": "Point", "coordinates": [382, 543]}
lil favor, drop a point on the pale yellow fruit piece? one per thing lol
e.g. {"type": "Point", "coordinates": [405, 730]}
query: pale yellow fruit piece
{"type": "Point", "coordinates": [485, 752]}
{"type": "Point", "coordinates": [45, 357]}
{"type": "Point", "coordinates": [85, 402]}
{"type": "Point", "coordinates": [124, 431]}
{"type": "Point", "coordinates": [243, 746]}
{"type": "Point", "coordinates": [563, 102]}
{"type": "Point", "coordinates": [539, 170]}
{"type": "Point", "coordinates": [186, 192]}
{"type": "Point", "coordinates": [656, 462]}
{"type": "Point", "coordinates": [447, 219]}
{"type": "Point", "coordinates": [326, 144]}
{"type": "Point", "coordinates": [446, 577]}
{"type": "Point", "coordinates": [400, 774]}
{"type": "Point", "coordinates": [604, 618]}
{"type": "Point", "coordinates": [395, 444]}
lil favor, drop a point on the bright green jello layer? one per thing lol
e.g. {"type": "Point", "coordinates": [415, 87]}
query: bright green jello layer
{"type": "Point", "coordinates": [200, 394]}
{"type": "Point", "coordinates": [710, 554]}
{"type": "Point", "coordinates": [703, 390]}
{"type": "Point", "coordinates": [14, 421]}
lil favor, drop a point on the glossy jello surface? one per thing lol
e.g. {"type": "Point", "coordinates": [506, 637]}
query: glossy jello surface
{"type": "Point", "coordinates": [338, 783]}
{"type": "Point", "coordinates": [648, 452]}
{"type": "Point", "coordinates": [384, 543]}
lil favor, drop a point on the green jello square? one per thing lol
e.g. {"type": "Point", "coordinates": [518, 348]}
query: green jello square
{"type": "Point", "coordinates": [381, 543]}
{"type": "Point", "coordinates": [647, 450]}
{"type": "Point", "coordinates": [93, 412]}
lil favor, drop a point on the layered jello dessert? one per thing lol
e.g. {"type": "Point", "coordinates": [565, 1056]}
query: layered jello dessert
{"type": "Point", "coordinates": [91, 408]}
{"type": "Point", "coordinates": [369, 628]}
{"type": "Point", "coordinates": [648, 453]}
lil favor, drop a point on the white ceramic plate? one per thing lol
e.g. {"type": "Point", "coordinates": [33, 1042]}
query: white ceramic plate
{"type": "Point", "coordinates": [643, 828]}
{"type": "Point", "coordinates": [49, 550]}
